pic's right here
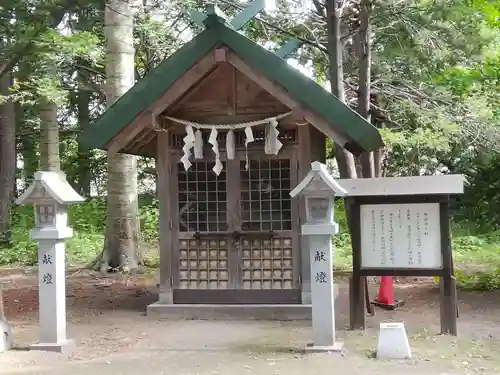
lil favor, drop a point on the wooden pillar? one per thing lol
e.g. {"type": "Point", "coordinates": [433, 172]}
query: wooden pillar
{"type": "Point", "coordinates": [304, 161]}
{"type": "Point", "coordinates": [164, 189]}
{"type": "Point", "coordinates": [447, 283]}
{"type": "Point", "coordinates": [233, 189]}
{"type": "Point", "coordinates": [356, 285]}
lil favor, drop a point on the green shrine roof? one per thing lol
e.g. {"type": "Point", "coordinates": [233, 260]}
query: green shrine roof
{"type": "Point", "coordinates": [360, 134]}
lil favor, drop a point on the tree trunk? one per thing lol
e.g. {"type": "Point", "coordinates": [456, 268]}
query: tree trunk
{"type": "Point", "coordinates": [84, 156]}
{"type": "Point", "coordinates": [7, 159]}
{"type": "Point", "coordinates": [49, 136]}
{"type": "Point", "coordinates": [345, 160]}
{"type": "Point", "coordinates": [378, 160]}
{"type": "Point", "coordinates": [28, 147]}
{"type": "Point", "coordinates": [122, 232]}
{"type": "Point", "coordinates": [363, 52]}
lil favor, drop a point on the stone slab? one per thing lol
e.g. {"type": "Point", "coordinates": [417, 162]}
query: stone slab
{"type": "Point", "coordinates": [232, 312]}
{"type": "Point", "coordinates": [64, 347]}
{"type": "Point", "coordinates": [336, 348]}
{"type": "Point", "coordinates": [229, 312]}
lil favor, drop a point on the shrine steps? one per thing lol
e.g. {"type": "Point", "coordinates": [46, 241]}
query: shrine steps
{"type": "Point", "coordinates": [229, 312]}
{"type": "Point", "coordinates": [284, 312]}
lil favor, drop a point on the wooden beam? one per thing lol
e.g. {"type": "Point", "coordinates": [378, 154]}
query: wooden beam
{"type": "Point", "coordinates": [147, 143]}
{"type": "Point", "coordinates": [197, 17]}
{"type": "Point", "coordinates": [250, 11]}
{"type": "Point", "coordinates": [288, 48]}
{"type": "Point", "coordinates": [190, 78]}
{"type": "Point", "coordinates": [164, 195]}
{"type": "Point", "coordinates": [212, 9]}
{"type": "Point", "coordinates": [193, 90]}
{"type": "Point", "coordinates": [231, 119]}
{"type": "Point", "coordinates": [283, 96]}
{"type": "Point", "coordinates": [138, 141]}
{"type": "Point", "coordinates": [220, 54]}
{"type": "Point", "coordinates": [147, 140]}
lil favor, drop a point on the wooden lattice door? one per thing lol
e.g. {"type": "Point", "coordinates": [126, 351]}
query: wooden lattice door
{"type": "Point", "coordinates": [268, 248]}
{"type": "Point", "coordinates": [236, 242]}
{"type": "Point", "coordinates": [203, 258]}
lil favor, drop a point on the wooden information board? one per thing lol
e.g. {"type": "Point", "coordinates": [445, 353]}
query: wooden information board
{"type": "Point", "coordinates": [401, 236]}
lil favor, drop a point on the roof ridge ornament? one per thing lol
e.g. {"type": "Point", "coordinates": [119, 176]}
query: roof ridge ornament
{"type": "Point", "coordinates": [214, 15]}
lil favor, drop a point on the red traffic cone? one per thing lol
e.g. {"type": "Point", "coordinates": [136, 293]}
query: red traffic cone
{"type": "Point", "coordinates": [385, 298]}
{"type": "Point", "coordinates": [385, 293]}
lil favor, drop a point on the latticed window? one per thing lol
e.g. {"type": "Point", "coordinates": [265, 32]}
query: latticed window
{"type": "Point", "coordinates": [202, 198]}
{"type": "Point", "coordinates": [265, 195]}
{"type": "Point", "coordinates": [45, 214]}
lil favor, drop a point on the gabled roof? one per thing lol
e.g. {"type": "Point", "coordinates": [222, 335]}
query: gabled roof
{"type": "Point", "coordinates": [360, 134]}
{"type": "Point", "coordinates": [318, 181]}
{"type": "Point", "coordinates": [48, 186]}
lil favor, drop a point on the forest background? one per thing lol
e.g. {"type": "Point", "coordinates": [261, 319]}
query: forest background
{"type": "Point", "coordinates": [426, 72]}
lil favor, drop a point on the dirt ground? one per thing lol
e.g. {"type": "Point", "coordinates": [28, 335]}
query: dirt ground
{"type": "Point", "coordinates": [112, 334]}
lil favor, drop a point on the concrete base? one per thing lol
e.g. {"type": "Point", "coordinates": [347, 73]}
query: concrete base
{"type": "Point", "coordinates": [336, 348]}
{"type": "Point", "coordinates": [5, 336]}
{"type": "Point", "coordinates": [393, 342]}
{"type": "Point", "coordinates": [163, 310]}
{"type": "Point", "coordinates": [229, 312]}
{"type": "Point", "coordinates": [63, 347]}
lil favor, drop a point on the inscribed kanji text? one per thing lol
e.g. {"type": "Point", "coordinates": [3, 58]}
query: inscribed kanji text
{"type": "Point", "coordinates": [320, 277]}
{"type": "Point", "coordinates": [47, 278]}
{"type": "Point", "coordinates": [320, 256]}
{"type": "Point", "coordinates": [47, 259]}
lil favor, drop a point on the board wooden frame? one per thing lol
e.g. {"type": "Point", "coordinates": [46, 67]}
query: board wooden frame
{"type": "Point", "coordinates": [448, 311]}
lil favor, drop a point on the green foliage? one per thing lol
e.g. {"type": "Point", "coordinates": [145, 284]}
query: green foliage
{"type": "Point", "coordinates": [88, 222]}
{"type": "Point", "coordinates": [436, 78]}
{"type": "Point", "coordinates": [477, 261]}
{"type": "Point", "coordinates": [477, 257]}
{"type": "Point", "coordinates": [342, 241]}
{"type": "Point", "coordinates": [22, 252]}
{"type": "Point", "coordinates": [479, 207]}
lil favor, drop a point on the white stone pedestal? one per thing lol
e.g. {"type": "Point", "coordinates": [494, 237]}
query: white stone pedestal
{"type": "Point", "coordinates": [50, 194]}
{"type": "Point", "coordinates": [323, 294]}
{"type": "Point", "coordinates": [393, 342]}
{"type": "Point", "coordinates": [52, 296]}
{"type": "Point", "coordinates": [319, 189]}
{"type": "Point", "coordinates": [5, 336]}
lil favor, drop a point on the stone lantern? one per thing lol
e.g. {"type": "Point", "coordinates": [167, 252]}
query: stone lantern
{"type": "Point", "coordinates": [319, 190]}
{"type": "Point", "coordinates": [50, 194]}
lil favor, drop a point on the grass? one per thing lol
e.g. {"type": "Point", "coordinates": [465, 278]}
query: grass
{"type": "Point", "coordinates": [477, 259]}
{"type": "Point", "coordinates": [476, 256]}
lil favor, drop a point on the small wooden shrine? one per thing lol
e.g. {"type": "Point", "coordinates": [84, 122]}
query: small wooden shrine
{"type": "Point", "coordinates": [233, 128]}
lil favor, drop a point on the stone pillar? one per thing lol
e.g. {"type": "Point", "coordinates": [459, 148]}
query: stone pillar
{"type": "Point", "coordinates": [323, 289]}
{"type": "Point", "coordinates": [52, 295]}
{"type": "Point", "coordinates": [305, 271]}
{"type": "Point", "coordinates": [319, 189]}
{"type": "Point", "coordinates": [50, 194]}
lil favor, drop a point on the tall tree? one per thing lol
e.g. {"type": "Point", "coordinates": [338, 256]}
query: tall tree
{"type": "Point", "coordinates": [7, 157]}
{"type": "Point", "coordinates": [49, 136]}
{"type": "Point", "coordinates": [121, 248]}
{"type": "Point", "coordinates": [364, 55]}
{"type": "Point", "coordinates": [83, 156]}
{"type": "Point", "coordinates": [334, 11]}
